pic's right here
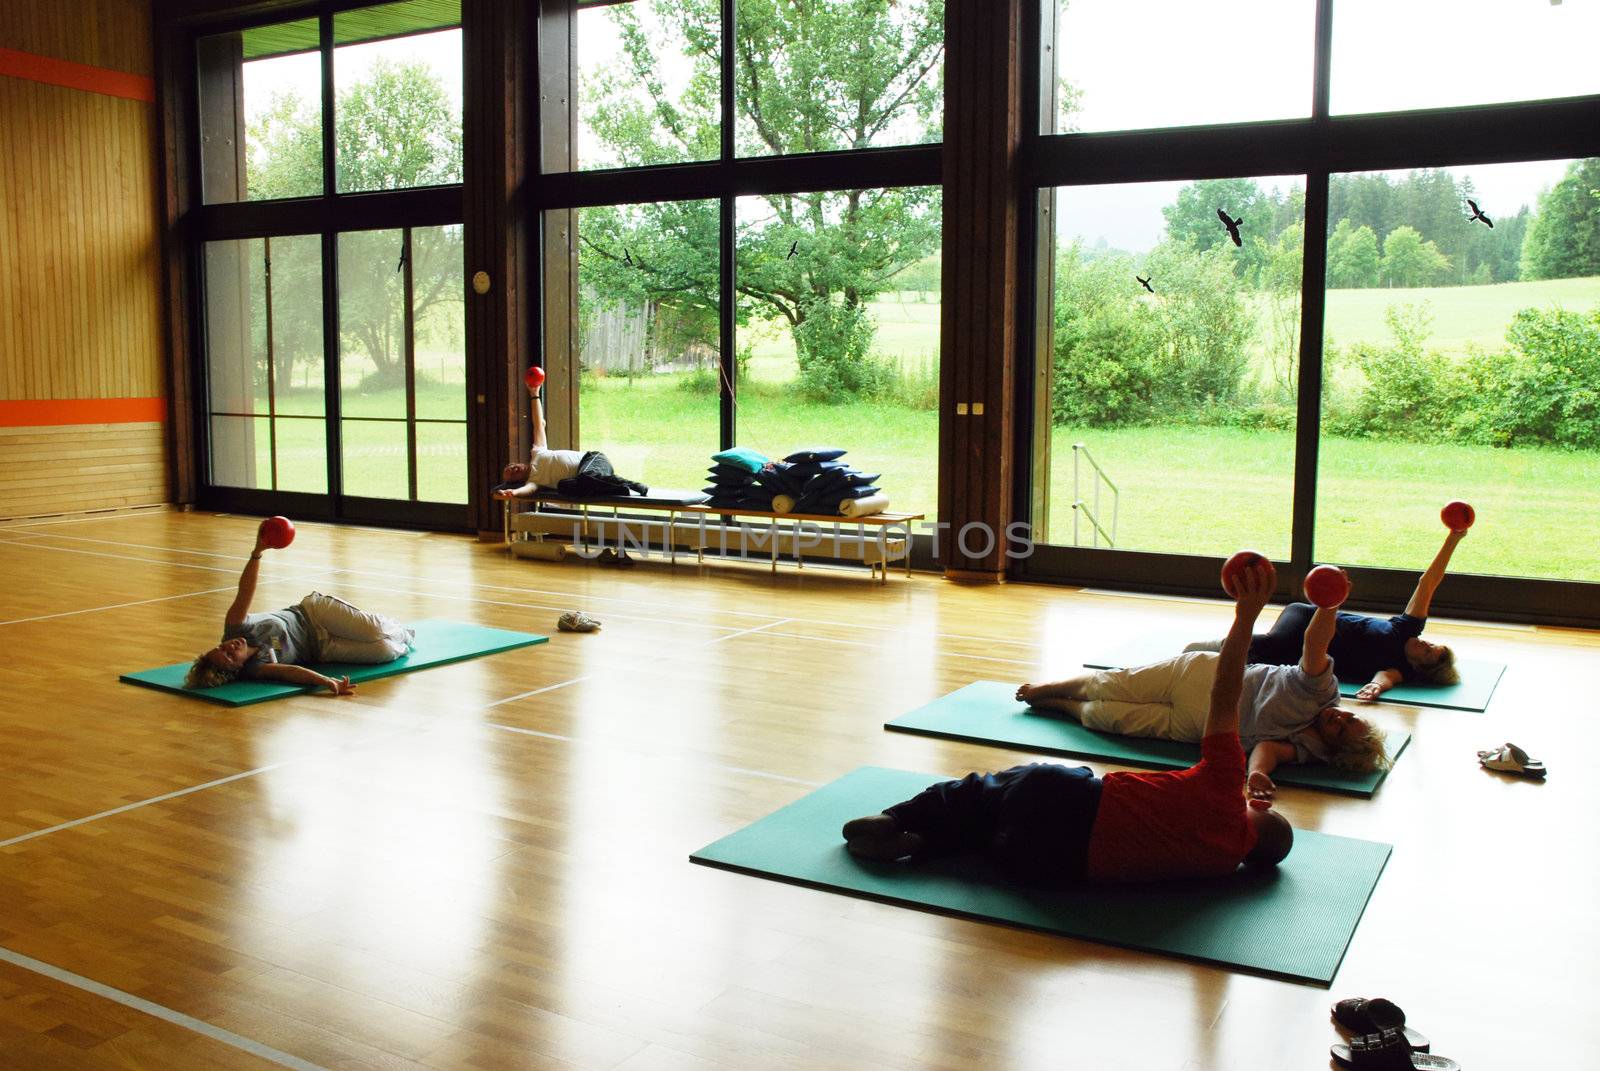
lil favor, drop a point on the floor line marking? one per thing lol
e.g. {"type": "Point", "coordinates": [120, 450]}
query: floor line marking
{"type": "Point", "coordinates": [647, 659]}
{"type": "Point", "coordinates": [115, 606]}
{"type": "Point", "coordinates": [126, 807]}
{"type": "Point", "coordinates": [158, 1011]}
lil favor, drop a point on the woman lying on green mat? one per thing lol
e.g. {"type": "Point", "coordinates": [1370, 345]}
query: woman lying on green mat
{"type": "Point", "coordinates": [271, 646]}
{"type": "Point", "coordinates": [1048, 824]}
{"type": "Point", "coordinates": [1376, 653]}
{"type": "Point", "coordinates": [1287, 714]}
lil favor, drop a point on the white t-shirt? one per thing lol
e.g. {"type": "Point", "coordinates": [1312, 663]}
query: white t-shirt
{"type": "Point", "coordinates": [549, 467]}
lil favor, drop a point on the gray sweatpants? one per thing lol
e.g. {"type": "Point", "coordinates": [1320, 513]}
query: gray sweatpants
{"type": "Point", "coordinates": [348, 634]}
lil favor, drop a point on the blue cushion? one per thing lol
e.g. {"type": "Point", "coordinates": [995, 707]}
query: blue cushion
{"type": "Point", "coordinates": [745, 458]}
{"type": "Point", "coordinates": [818, 453]}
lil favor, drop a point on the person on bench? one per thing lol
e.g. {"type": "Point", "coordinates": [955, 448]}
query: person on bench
{"type": "Point", "coordinates": [1376, 653]}
{"type": "Point", "coordinates": [272, 646]}
{"type": "Point", "coordinates": [545, 467]}
{"type": "Point", "coordinates": [1048, 824]}
{"type": "Point", "coordinates": [1290, 713]}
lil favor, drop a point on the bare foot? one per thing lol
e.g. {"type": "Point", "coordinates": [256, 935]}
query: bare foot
{"type": "Point", "coordinates": [1027, 692]}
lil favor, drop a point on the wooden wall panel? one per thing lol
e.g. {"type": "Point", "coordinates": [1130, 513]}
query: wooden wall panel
{"type": "Point", "coordinates": [80, 467]}
{"type": "Point", "coordinates": [101, 33]}
{"type": "Point", "coordinates": [80, 312]}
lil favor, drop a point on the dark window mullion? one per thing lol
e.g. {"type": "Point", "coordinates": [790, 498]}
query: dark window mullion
{"type": "Point", "coordinates": [409, 334]}
{"type": "Point", "coordinates": [332, 402]}
{"type": "Point", "coordinates": [727, 239]}
{"type": "Point", "coordinates": [272, 401]}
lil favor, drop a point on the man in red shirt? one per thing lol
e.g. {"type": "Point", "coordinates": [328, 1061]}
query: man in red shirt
{"type": "Point", "coordinates": [1046, 823]}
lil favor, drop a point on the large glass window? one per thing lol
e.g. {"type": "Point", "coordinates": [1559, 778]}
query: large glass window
{"type": "Point", "coordinates": [1165, 63]}
{"type": "Point", "coordinates": [1174, 364]}
{"type": "Point", "coordinates": [264, 363]}
{"type": "Point", "coordinates": [1441, 53]}
{"type": "Point", "coordinates": [838, 338]}
{"type": "Point", "coordinates": [397, 85]}
{"type": "Point", "coordinates": [402, 365]}
{"type": "Point", "coordinates": [261, 113]}
{"type": "Point", "coordinates": [649, 83]}
{"type": "Point", "coordinates": [830, 76]}
{"type": "Point", "coordinates": [649, 357]}
{"type": "Point", "coordinates": [1463, 362]}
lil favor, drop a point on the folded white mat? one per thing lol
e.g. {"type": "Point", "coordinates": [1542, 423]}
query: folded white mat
{"type": "Point", "coordinates": [863, 507]}
{"type": "Point", "coordinates": [782, 504]}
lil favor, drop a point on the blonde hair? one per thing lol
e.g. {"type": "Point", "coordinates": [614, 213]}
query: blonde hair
{"type": "Point", "coordinates": [207, 674]}
{"type": "Point", "coordinates": [1441, 672]}
{"type": "Point", "coordinates": [1362, 748]}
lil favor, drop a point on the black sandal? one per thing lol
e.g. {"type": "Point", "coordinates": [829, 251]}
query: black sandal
{"type": "Point", "coordinates": [1362, 1016]}
{"type": "Point", "coordinates": [1388, 1050]}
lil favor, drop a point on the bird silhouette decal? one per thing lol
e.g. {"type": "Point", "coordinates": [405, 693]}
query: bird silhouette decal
{"type": "Point", "coordinates": [794, 247]}
{"type": "Point", "coordinates": [1233, 227]}
{"type": "Point", "coordinates": [627, 258]}
{"type": "Point", "coordinates": [1144, 282]}
{"type": "Point", "coordinates": [1477, 214]}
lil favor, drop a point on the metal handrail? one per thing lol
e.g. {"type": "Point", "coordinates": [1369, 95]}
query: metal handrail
{"type": "Point", "coordinates": [1080, 507]}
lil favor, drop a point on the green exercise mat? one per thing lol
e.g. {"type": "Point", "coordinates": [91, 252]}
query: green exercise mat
{"type": "Point", "coordinates": [1294, 922]}
{"type": "Point", "coordinates": [985, 712]}
{"type": "Point", "coordinates": [1478, 679]}
{"type": "Point", "coordinates": [437, 643]}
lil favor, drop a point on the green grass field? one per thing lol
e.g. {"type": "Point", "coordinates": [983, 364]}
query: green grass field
{"type": "Point", "coordinates": [1182, 489]}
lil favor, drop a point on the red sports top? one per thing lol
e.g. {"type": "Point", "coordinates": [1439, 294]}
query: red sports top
{"type": "Point", "coordinates": [1174, 824]}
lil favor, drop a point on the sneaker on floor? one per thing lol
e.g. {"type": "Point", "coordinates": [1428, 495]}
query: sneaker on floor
{"type": "Point", "coordinates": [577, 621]}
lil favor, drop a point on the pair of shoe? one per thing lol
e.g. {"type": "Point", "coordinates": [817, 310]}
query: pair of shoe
{"type": "Point", "coordinates": [1511, 759]}
{"type": "Point", "coordinates": [616, 557]}
{"type": "Point", "coordinates": [577, 621]}
{"type": "Point", "coordinates": [1381, 1040]}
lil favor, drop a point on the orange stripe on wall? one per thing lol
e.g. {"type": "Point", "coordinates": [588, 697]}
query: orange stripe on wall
{"type": "Point", "coordinates": [55, 72]}
{"type": "Point", "coordinates": [57, 412]}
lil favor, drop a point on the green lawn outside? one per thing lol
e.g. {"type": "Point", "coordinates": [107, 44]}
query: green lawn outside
{"type": "Point", "coordinates": [1183, 489]}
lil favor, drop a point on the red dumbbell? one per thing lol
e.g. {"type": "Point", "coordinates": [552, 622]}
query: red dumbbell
{"type": "Point", "coordinates": [1327, 586]}
{"type": "Point", "coordinates": [1457, 516]}
{"type": "Point", "coordinates": [277, 532]}
{"type": "Point", "coordinates": [1240, 561]}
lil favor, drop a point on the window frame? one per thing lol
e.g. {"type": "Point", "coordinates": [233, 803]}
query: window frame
{"type": "Point", "coordinates": [1314, 147]}
{"type": "Point", "coordinates": [326, 215]}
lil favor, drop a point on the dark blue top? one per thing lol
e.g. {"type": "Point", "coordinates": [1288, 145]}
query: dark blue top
{"type": "Point", "coordinates": [1361, 645]}
{"type": "Point", "coordinates": [1364, 645]}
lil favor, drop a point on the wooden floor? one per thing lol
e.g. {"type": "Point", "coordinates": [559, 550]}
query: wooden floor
{"type": "Point", "coordinates": [485, 865]}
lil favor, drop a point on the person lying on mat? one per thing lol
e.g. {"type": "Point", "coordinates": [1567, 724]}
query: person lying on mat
{"type": "Point", "coordinates": [1288, 714]}
{"type": "Point", "coordinates": [1049, 824]}
{"type": "Point", "coordinates": [1376, 653]}
{"type": "Point", "coordinates": [271, 646]}
{"type": "Point", "coordinates": [545, 467]}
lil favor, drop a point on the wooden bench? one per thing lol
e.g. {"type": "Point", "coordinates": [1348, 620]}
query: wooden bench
{"type": "Point", "coordinates": [876, 540]}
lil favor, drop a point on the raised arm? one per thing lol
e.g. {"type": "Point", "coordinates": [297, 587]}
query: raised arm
{"type": "Point", "coordinates": [1252, 588]}
{"type": "Point", "coordinates": [1428, 583]}
{"type": "Point", "coordinates": [1319, 633]}
{"type": "Point", "coordinates": [247, 585]}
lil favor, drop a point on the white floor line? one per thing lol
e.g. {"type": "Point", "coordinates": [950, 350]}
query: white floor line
{"type": "Point", "coordinates": [876, 647]}
{"type": "Point", "coordinates": [770, 776]}
{"type": "Point", "coordinates": [538, 691]}
{"type": "Point", "coordinates": [118, 557]}
{"type": "Point", "coordinates": [157, 1011]}
{"type": "Point", "coordinates": [116, 606]}
{"type": "Point", "coordinates": [142, 803]}
{"type": "Point", "coordinates": [636, 662]}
